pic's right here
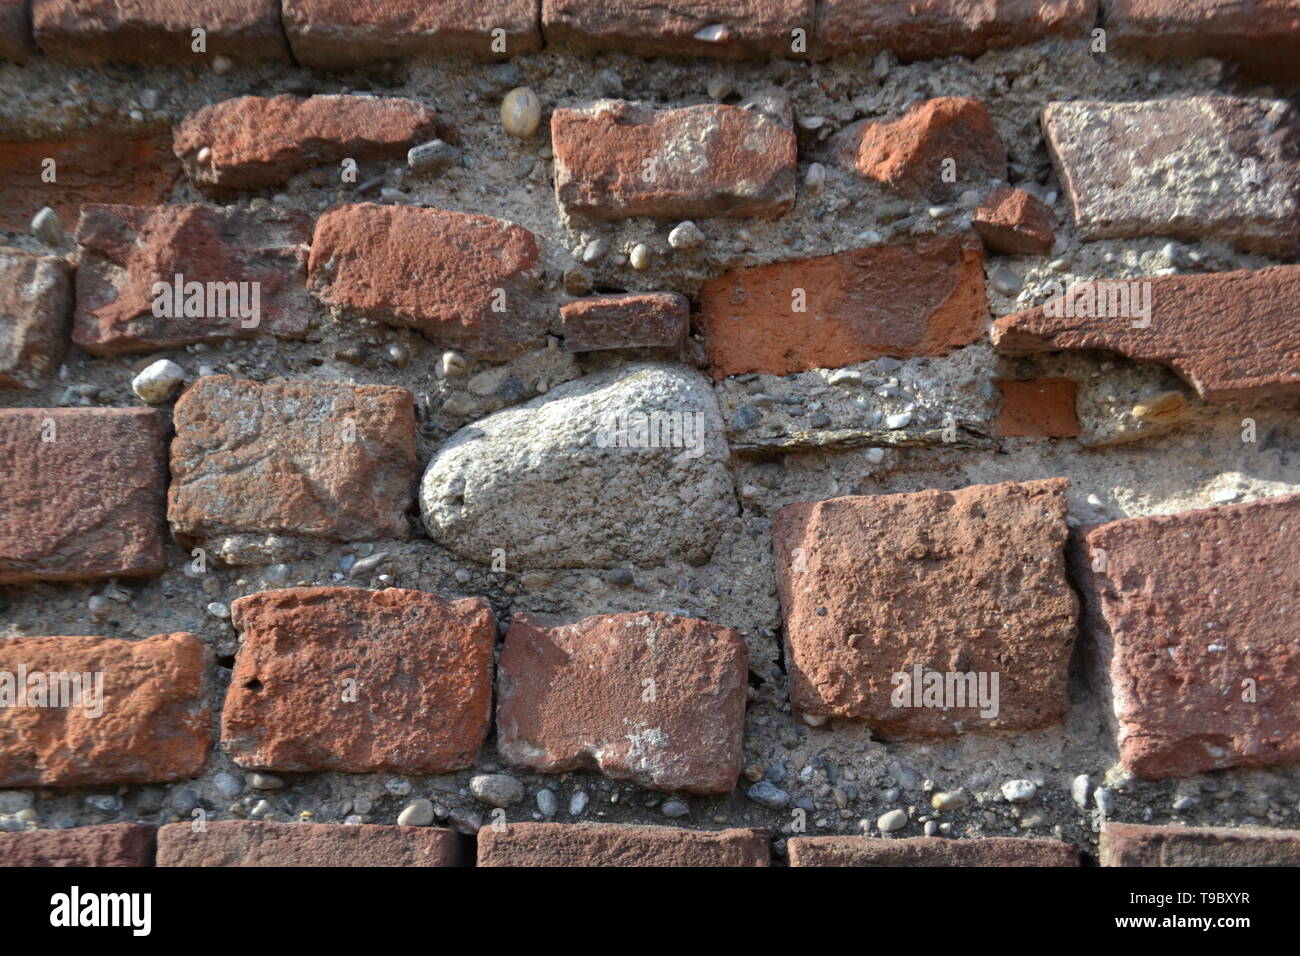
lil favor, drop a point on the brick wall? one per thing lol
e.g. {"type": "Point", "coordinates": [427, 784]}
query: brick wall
{"type": "Point", "coordinates": [732, 433]}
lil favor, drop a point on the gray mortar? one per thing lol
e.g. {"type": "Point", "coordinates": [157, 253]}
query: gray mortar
{"type": "Point", "coordinates": [1189, 465]}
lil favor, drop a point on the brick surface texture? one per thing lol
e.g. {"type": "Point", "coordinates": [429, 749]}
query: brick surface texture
{"type": "Point", "coordinates": [651, 433]}
{"type": "Point", "coordinates": [359, 681]}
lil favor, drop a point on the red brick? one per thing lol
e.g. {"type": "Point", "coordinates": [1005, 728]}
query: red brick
{"type": "Point", "coordinates": [1231, 335]}
{"type": "Point", "coordinates": [1261, 34]}
{"type": "Point", "coordinates": [88, 503]}
{"type": "Point", "coordinates": [1134, 844]}
{"type": "Point", "coordinates": [461, 280]}
{"type": "Point", "coordinates": [604, 844]}
{"type": "Point", "coordinates": [929, 851]}
{"type": "Point", "coordinates": [16, 42]}
{"type": "Point", "coordinates": [633, 320]}
{"type": "Point", "coordinates": [1179, 167]}
{"type": "Point", "coordinates": [709, 160]}
{"type": "Point", "coordinates": [155, 725]}
{"type": "Point", "coordinates": [946, 27]}
{"type": "Point", "coordinates": [359, 681]}
{"type": "Point", "coordinates": [921, 298]}
{"type": "Point", "coordinates": [961, 581]}
{"type": "Point", "coordinates": [260, 843]}
{"type": "Point", "coordinates": [139, 171]}
{"type": "Point", "coordinates": [1040, 408]}
{"type": "Point", "coordinates": [113, 844]}
{"type": "Point", "coordinates": [334, 34]}
{"type": "Point", "coordinates": [1188, 609]}
{"type": "Point", "coordinates": [258, 141]}
{"type": "Point", "coordinates": [1013, 222]}
{"type": "Point", "coordinates": [158, 31]}
{"type": "Point", "coordinates": [314, 460]}
{"type": "Point", "coordinates": [575, 697]}
{"type": "Point", "coordinates": [35, 306]}
{"type": "Point", "coordinates": [910, 153]}
{"type": "Point", "coordinates": [125, 250]}
{"type": "Point", "coordinates": [722, 29]}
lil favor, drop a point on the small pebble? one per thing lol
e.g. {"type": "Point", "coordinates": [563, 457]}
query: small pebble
{"type": "Point", "coordinates": [547, 804]}
{"type": "Point", "coordinates": [949, 800]}
{"type": "Point", "coordinates": [1019, 791]}
{"type": "Point", "coordinates": [158, 382]}
{"type": "Point", "coordinates": [521, 112]}
{"type": "Point", "coordinates": [768, 795]}
{"type": "Point", "coordinates": [686, 235]}
{"type": "Point", "coordinates": [221, 65]}
{"type": "Point", "coordinates": [595, 250]}
{"type": "Point", "coordinates": [47, 227]}
{"type": "Point", "coordinates": [814, 181]}
{"type": "Point", "coordinates": [640, 257]}
{"type": "Point", "coordinates": [228, 785]}
{"type": "Point", "coordinates": [577, 803]}
{"type": "Point", "coordinates": [1006, 281]}
{"type": "Point", "coordinates": [432, 157]}
{"type": "Point", "coordinates": [674, 809]}
{"type": "Point", "coordinates": [875, 455]}
{"type": "Point", "coordinates": [265, 781]}
{"type": "Point", "coordinates": [891, 821]}
{"type": "Point", "coordinates": [417, 813]}
{"type": "Point", "coordinates": [1184, 803]}
{"type": "Point", "coordinates": [1079, 788]}
{"type": "Point", "coordinates": [496, 789]}
{"type": "Point", "coordinates": [451, 364]}
{"type": "Point", "coordinates": [898, 420]}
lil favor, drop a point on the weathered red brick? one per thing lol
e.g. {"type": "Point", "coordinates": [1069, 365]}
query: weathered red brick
{"type": "Point", "coordinates": [461, 280]}
{"type": "Point", "coordinates": [1039, 408]}
{"type": "Point", "coordinates": [359, 681]}
{"type": "Point", "coordinates": [937, 149]}
{"type": "Point", "coordinates": [86, 503]}
{"type": "Point", "coordinates": [615, 160]}
{"type": "Point", "coordinates": [1193, 620]}
{"type": "Point", "coordinates": [35, 306]}
{"type": "Point", "coordinates": [1013, 222]}
{"type": "Point", "coordinates": [604, 844]}
{"type": "Point", "coordinates": [148, 722]}
{"type": "Point", "coordinates": [929, 851]}
{"type": "Point", "coordinates": [112, 844]}
{"type": "Point", "coordinates": [158, 31]}
{"type": "Point", "coordinates": [1201, 167]}
{"type": "Point", "coordinates": [722, 29]}
{"type": "Point", "coordinates": [261, 843]}
{"type": "Point", "coordinates": [921, 298]}
{"type": "Point", "coordinates": [1135, 844]}
{"type": "Point", "coordinates": [631, 320]}
{"type": "Point", "coordinates": [256, 141]}
{"type": "Point", "coordinates": [1231, 335]}
{"type": "Point", "coordinates": [960, 582]}
{"type": "Point", "coordinates": [334, 34]}
{"type": "Point", "coordinates": [1260, 34]}
{"type": "Point", "coordinates": [315, 460]}
{"type": "Point", "coordinates": [125, 250]}
{"type": "Point", "coordinates": [576, 696]}
{"type": "Point", "coordinates": [16, 41]}
{"type": "Point", "coordinates": [95, 169]}
{"type": "Point", "coordinates": [919, 31]}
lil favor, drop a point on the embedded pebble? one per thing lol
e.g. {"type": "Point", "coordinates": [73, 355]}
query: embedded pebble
{"type": "Point", "coordinates": [595, 250]}
{"type": "Point", "coordinates": [432, 157]}
{"type": "Point", "coordinates": [875, 455]}
{"type": "Point", "coordinates": [1079, 788]}
{"type": "Point", "coordinates": [158, 381]}
{"type": "Point", "coordinates": [891, 821]}
{"type": "Point", "coordinates": [577, 803]}
{"type": "Point", "coordinates": [417, 813]}
{"type": "Point", "coordinates": [639, 257]}
{"type": "Point", "coordinates": [814, 180]}
{"type": "Point", "coordinates": [949, 800]}
{"type": "Point", "coordinates": [265, 781]}
{"type": "Point", "coordinates": [1019, 791]}
{"type": "Point", "coordinates": [768, 795]}
{"type": "Point", "coordinates": [496, 789]}
{"type": "Point", "coordinates": [898, 420]}
{"type": "Point", "coordinates": [228, 785]}
{"type": "Point", "coordinates": [845, 376]}
{"type": "Point", "coordinates": [674, 809]}
{"type": "Point", "coordinates": [47, 227]}
{"type": "Point", "coordinates": [521, 112]}
{"type": "Point", "coordinates": [686, 235]}
{"type": "Point", "coordinates": [547, 804]}
{"type": "Point", "coordinates": [451, 364]}
{"type": "Point", "coordinates": [219, 610]}
{"type": "Point", "coordinates": [1006, 282]}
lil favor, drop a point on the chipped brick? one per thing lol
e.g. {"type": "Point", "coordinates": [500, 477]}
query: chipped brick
{"type": "Point", "coordinates": [1184, 610]}
{"type": "Point", "coordinates": [88, 502]}
{"type": "Point", "coordinates": [256, 141]}
{"type": "Point", "coordinates": [461, 280]}
{"type": "Point", "coordinates": [337, 34]}
{"type": "Point", "coordinates": [1181, 168]}
{"type": "Point", "coordinates": [606, 844]}
{"type": "Point", "coordinates": [148, 32]}
{"type": "Point", "coordinates": [615, 160]}
{"type": "Point", "coordinates": [1135, 844]}
{"type": "Point", "coordinates": [1040, 408]}
{"type": "Point", "coordinates": [965, 581]}
{"type": "Point", "coordinates": [905, 300]}
{"type": "Point", "coordinates": [632, 320]}
{"type": "Point", "coordinates": [421, 668]}
{"type": "Point", "coordinates": [1013, 222]}
{"type": "Point", "coordinates": [929, 851]}
{"type": "Point", "coordinates": [574, 697]}
{"type": "Point", "coordinates": [1260, 34]}
{"type": "Point", "coordinates": [153, 724]}
{"type": "Point", "coordinates": [139, 171]}
{"type": "Point", "coordinates": [16, 42]}
{"type": "Point", "coordinates": [936, 150]}
{"type": "Point", "coordinates": [721, 29]}
{"type": "Point", "coordinates": [112, 844]}
{"type": "Point", "coordinates": [312, 460]}
{"type": "Point", "coordinates": [125, 250]}
{"type": "Point", "coordinates": [946, 27]}
{"type": "Point", "coordinates": [35, 306]}
{"type": "Point", "coordinates": [1231, 335]}
{"type": "Point", "coordinates": [262, 843]}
